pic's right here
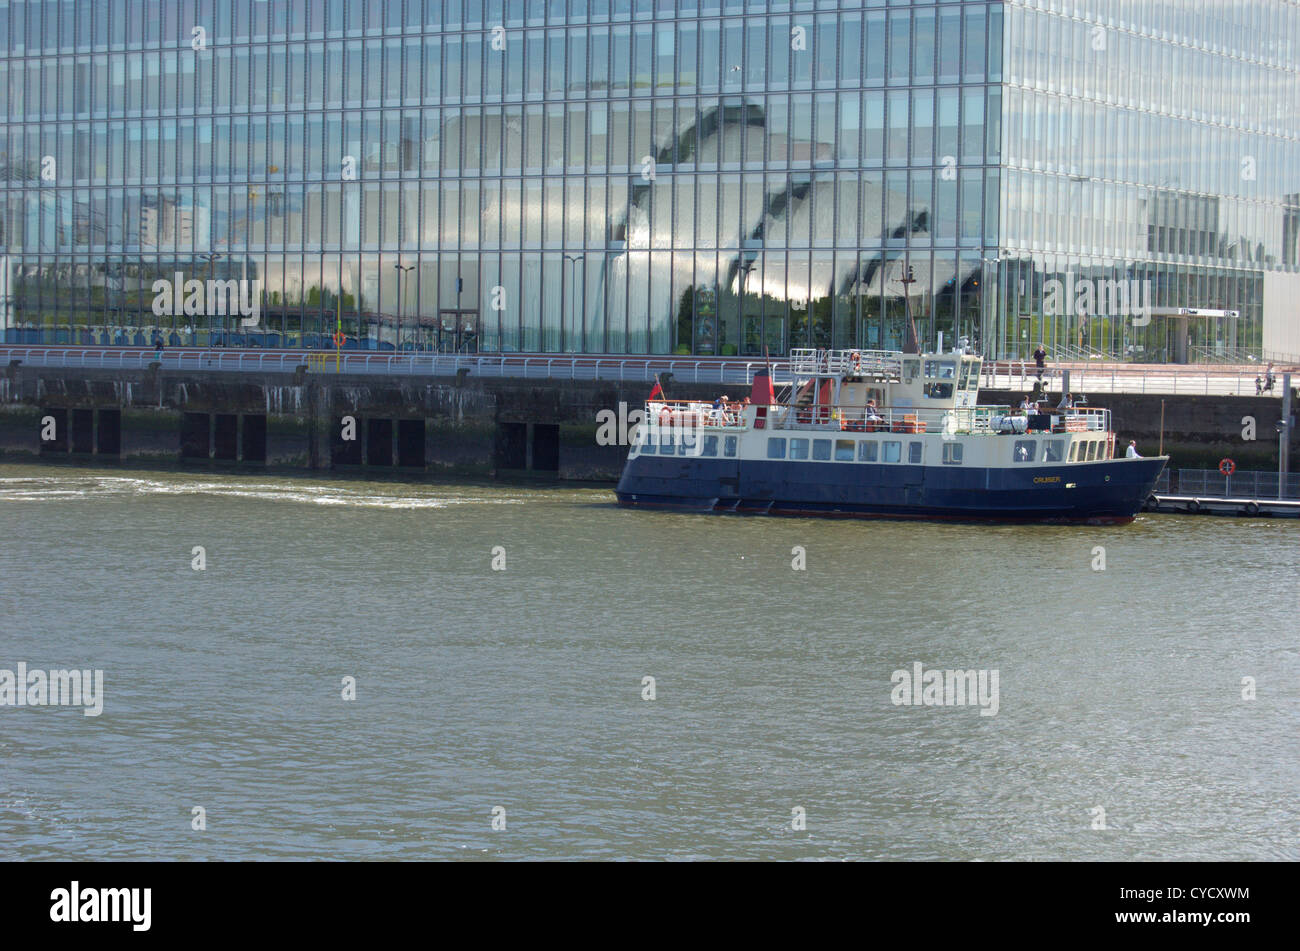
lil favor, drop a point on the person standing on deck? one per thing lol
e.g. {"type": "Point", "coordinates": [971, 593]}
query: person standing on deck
{"type": "Point", "coordinates": [1132, 451]}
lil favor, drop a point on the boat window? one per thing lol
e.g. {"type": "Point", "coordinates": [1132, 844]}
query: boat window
{"type": "Point", "coordinates": [729, 446]}
{"type": "Point", "coordinates": [1054, 450]}
{"type": "Point", "coordinates": [938, 391]}
{"type": "Point", "coordinates": [940, 370]}
{"type": "Point", "coordinates": [798, 449]}
{"type": "Point", "coordinates": [914, 453]}
{"type": "Point", "coordinates": [1074, 451]}
{"type": "Point", "coordinates": [775, 448]}
{"type": "Point", "coordinates": [952, 453]}
{"type": "Point", "coordinates": [844, 450]}
{"type": "Point", "coordinates": [868, 450]}
{"type": "Point", "coordinates": [710, 445]}
{"type": "Point", "coordinates": [1092, 449]}
{"type": "Point", "coordinates": [910, 369]}
{"type": "Point", "coordinates": [1024, 451]}
{"type": "Point", "coordinates": [822, 449]}
{"type": "Point", "coordinates": [893, 451]}
{"type": "Point", "coordinates": [965, 375]}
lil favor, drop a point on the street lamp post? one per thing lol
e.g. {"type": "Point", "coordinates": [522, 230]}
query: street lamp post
{"type": "Point", "coordinates": [988, 327]}
{"type": "Point", "coordinates": [750, 260]}
{"type": "Point", "coordinates": [401, 269]}
{"type": "Point", "coordinates": [207, 276]}
{"type": "Point", "coordinates": [911, 343]}
{"type": "Point", "coordinates": [573, 293]}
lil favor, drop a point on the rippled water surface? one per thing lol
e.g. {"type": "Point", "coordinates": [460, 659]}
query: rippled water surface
{"type": "Point", "coordinates": [523, 688]}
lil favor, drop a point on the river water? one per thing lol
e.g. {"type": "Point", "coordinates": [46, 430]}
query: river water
{"type": "Point", "coordinates": [520, 695]}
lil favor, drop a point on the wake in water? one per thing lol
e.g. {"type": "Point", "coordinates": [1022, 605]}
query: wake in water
{"type": "Point", "coordinates": [59, 489]}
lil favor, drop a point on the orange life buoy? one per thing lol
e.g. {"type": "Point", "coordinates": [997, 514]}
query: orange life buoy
{"type": "Point", "coordinates": [339, 339]}
{"type": "Point", "coordinates": [665, 417]}
{"type": "Point", "coordinates": [857, 361]}
{"type": "Point", "coordinates": [1227, 466]}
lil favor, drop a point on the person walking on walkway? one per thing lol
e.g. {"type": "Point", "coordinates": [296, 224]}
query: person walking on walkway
{"type": "Point", "coordinates": [1040, 360]}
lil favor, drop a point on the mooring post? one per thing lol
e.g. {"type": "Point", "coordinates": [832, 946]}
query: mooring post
{"type": "Point", "coordinates": [1284, 437]}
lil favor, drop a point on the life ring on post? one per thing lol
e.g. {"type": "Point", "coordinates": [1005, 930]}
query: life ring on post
{"type": "Point", "coordinates": [857, 361]}
{"type": "Point", "coordinates": [1227, 466]}
{"type": "Point", "coordinates": [339, 339]}
{"type": "Point", "coordinates": [665, 417]}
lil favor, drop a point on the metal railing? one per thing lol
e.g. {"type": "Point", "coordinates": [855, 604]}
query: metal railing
{"type": "Point", "coordinates": [1211, 483]}
{"type": "Point", "coordinates": [982, 420]}
{"type": "Point", "coordinates": [1182, 380]}
{"type": "Point", "coordinates": [1003, 375]}
{"type": "Point", "coordinates": [883, 362]}
{"type": "Point", "coordinates": [561, 367]}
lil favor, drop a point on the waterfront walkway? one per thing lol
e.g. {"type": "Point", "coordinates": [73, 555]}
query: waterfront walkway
{"type": "Point", "coordinates": [1089, 378]}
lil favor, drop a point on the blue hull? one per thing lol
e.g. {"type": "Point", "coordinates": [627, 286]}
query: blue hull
{"type": "Point", "coordinates": [1113, 491]}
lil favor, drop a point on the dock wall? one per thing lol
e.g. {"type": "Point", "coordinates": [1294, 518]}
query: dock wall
{"type": "Point", "coordinates": [445, 426]}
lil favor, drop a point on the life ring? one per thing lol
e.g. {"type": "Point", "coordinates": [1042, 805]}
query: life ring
{"type": "Point", "coordinates": [665, 417]}
{"type": "Point", "coordinates": [857, 361]}
{"type": "Point", "coordinates": [339, 339]}
{"type": "Point", "coordinates": [1227, 466]}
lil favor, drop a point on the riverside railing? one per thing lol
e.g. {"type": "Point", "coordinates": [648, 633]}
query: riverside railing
{"type": "Point", "coordinates": [1016, 375]}
{"type": "Point", "coordinates": [325, 362]}
{"type": "Point", "coordinates": [1211, 483]}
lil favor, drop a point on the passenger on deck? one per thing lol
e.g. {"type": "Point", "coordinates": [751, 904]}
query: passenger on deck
{"type": "Point", "coordinates": [1067, 402]}
{"type": "Point", "coordinates": [1132, 451]}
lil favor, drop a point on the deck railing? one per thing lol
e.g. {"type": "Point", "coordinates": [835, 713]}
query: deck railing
{"type": "Point", "coordinates": [887, 363]}
{"type": "Point", "coordinates": [693, 414]}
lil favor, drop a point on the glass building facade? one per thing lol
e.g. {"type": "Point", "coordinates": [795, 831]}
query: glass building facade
{"type": "Point", "coordinates": [712, 177]}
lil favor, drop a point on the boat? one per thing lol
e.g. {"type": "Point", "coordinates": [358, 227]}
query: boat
{"type": "Point", "coordinates": [883, 434]}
